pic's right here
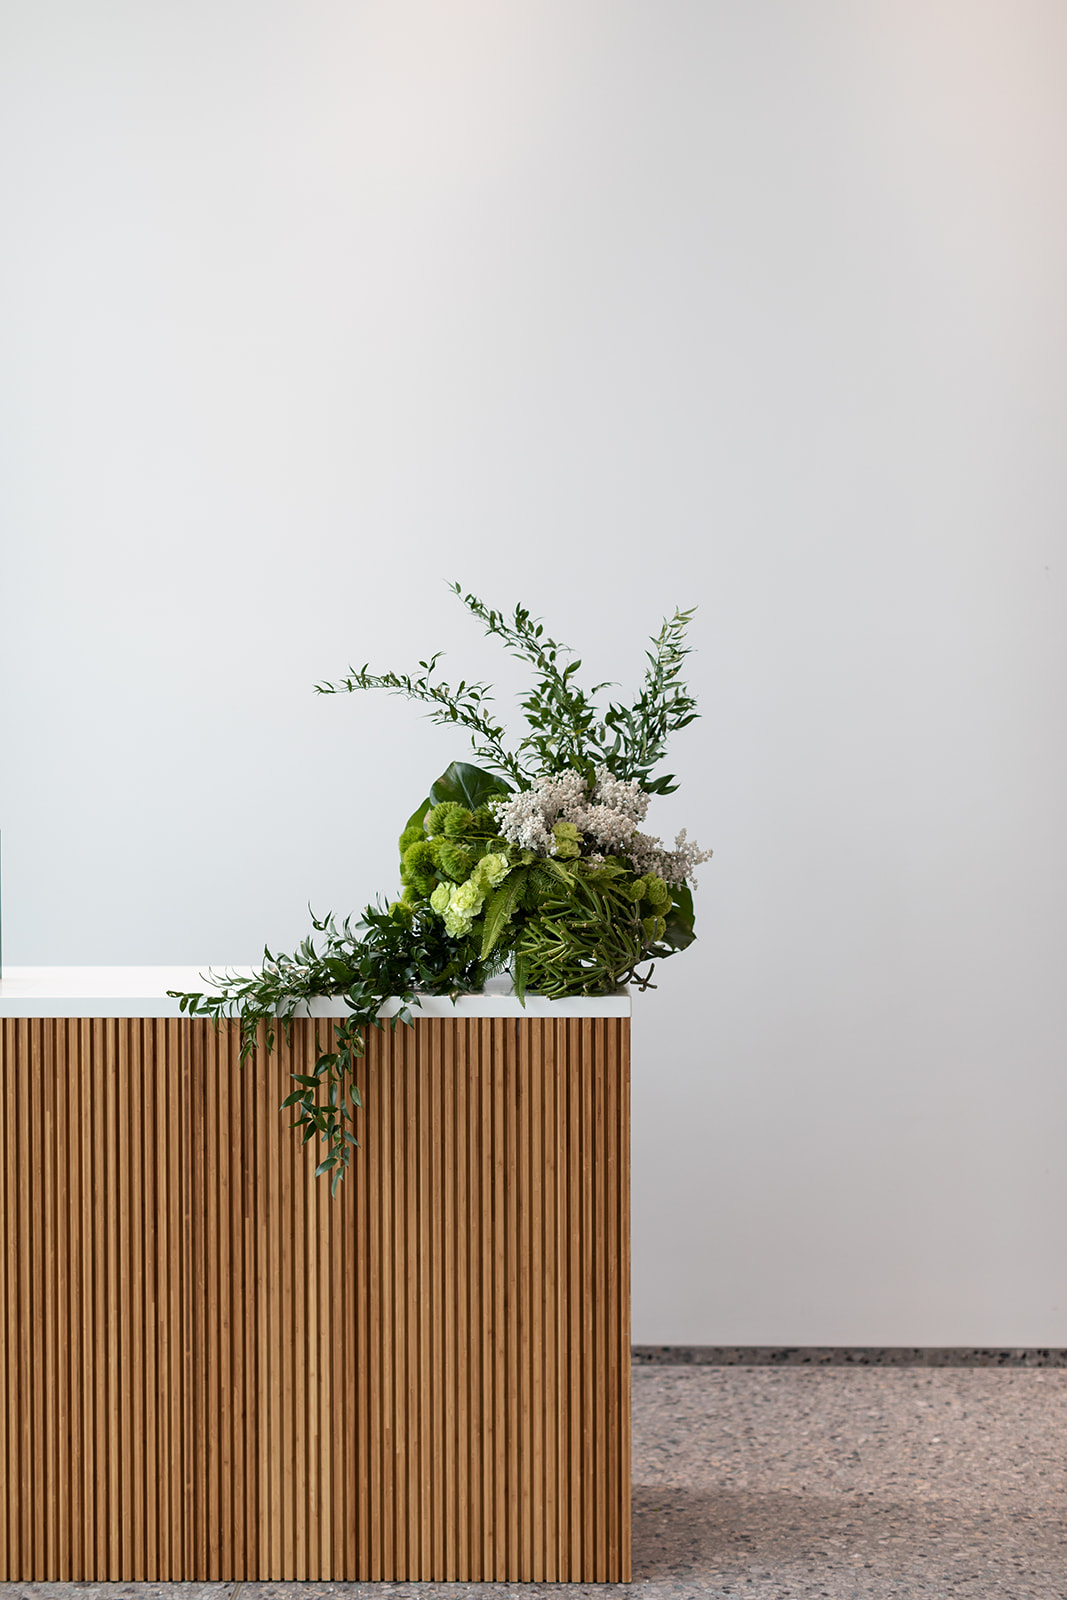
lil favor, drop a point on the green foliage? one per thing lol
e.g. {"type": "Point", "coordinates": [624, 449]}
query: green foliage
{"type": "Point", "coordinates": [467, 786]}
{"type": "Point", "coordinates": [584, 942]}
{"type": "Point", "coordinates": [465, 705]}
{"type": "Point", "coordinates": [678, 924]}
{"type": "Point", "coordinates": [569, 923]}
{"type": "Point", "coordinates": [499, 911]}
{"type": "Point", "coordinates": [663, 707]}
{"type": "Point", "coordinates": [565, 729]}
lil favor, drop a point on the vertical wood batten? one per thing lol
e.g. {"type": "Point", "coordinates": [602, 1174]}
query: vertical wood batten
{"type": "Point", "coordinates": [214, 1371]}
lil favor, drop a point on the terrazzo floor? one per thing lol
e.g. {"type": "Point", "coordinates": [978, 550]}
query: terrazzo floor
{"type": "Point", "coordinates": [770, 1483]}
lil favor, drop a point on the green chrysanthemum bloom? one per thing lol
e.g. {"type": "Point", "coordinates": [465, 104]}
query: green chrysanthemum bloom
{"type": "Point", "coordinates": [637, 890]}
{"type": "Point", "coordinates": [654, 928]}
{"type": "Point", "coordinates": [410, 835]}
{"type": "Point", "coordinates": [454, 859]}
{"type": "Point", "coordinates": [483, 821]}
{"type": "Point", "coordinates": [458, 822]}
{"type": "Point", "coordinates": [568, 840]}
{"type": "Point", "coordinates": [491, 870]}
{"type": "Point", "coordinates": [440, 898]}
{"type": "Point", "coordinates": [437, 819]}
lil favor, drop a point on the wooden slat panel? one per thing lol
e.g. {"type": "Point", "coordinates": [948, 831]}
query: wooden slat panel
{"type": "Point", "coordinates": [213, 1371]}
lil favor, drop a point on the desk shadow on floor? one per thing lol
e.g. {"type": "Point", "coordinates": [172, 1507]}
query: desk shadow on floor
{"type": "Point", "coordinates": [722, 1536]}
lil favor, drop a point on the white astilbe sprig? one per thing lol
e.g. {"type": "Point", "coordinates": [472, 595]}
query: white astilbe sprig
{"type": "Point", "coordinates": [673, 866]}
{"type": "Point", "coordinates": [606, 816]}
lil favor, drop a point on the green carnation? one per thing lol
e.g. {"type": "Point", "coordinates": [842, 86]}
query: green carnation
{"type": "Point", "coordinates": [454, 859]}
{"type": "Point", "coordinates": [440, 898]}
{"type": "Point", "coordinates": [467, 898]}
{"type": "Point", "coordinates": [491, 870]}
{"type": "Point", "coordinates": [568, 840]}
{"type": "Point", "coordinates": [457, 926]}
{"type": "Point", "coordinates": [464, 904]}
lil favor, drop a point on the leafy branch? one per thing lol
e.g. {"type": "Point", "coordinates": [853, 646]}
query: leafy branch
{"type": "Point", "coordinates": [564, 723]}
{"type": "Point", "coordinates": [663, 706]}
{"type": "Point", "coordinates": [463, 705]}
{"type": "Point", "coordinates": [565, 729]}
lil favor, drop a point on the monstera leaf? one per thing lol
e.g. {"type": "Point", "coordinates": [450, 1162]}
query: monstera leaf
{"type": "Point", "coordinates": [468, 786]}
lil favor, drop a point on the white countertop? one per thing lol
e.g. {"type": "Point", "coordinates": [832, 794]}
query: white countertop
{"type": "Point", "coordinates": [142, 992]}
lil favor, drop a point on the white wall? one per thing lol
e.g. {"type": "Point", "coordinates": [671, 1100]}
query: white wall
{"type": "Point", "coordinates": [307, 306]}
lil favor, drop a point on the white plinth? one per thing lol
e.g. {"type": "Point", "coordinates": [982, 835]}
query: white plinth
{"type": "Point", "coordinates": [142, 992]}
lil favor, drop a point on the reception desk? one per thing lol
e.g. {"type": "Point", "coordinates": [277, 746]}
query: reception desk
{"type": "Point", "coordinates": [213, 1370]}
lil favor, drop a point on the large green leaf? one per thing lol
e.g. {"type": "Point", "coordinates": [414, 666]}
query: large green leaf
{"type": "Point", "coordinates": [417, 817]}
{"type": "Point", "coordinates": [468, 786]}
{"type": "Point", "coordinates": [679, 934]}
{"type": "Point", "coordinates": [683, 905]}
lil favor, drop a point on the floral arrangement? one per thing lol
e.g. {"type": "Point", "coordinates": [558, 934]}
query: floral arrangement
{"type": "Point", "coordinates": [532, 861]}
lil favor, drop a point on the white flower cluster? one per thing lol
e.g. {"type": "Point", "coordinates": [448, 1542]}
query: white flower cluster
{"type": "Point", "coordinates": [673, 866]}
{"type": "Point", "coordinates": [527, 818]}
{"type": "Point", "coordinates": [535, 819]}
{"type": "Point", "coordinates": [608, 815]}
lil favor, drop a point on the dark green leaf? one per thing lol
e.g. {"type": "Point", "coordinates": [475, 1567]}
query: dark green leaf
{"type": "Point", "coordinates": [467, 785]}
{"type": "Point", "coordinates": [418, 816]}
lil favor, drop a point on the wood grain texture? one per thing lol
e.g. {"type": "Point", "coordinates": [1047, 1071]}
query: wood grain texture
{"type": "Point", "coordinates": [211, 1370]}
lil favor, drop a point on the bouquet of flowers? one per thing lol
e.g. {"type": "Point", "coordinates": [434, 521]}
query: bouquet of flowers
{"type": "Point", "coordinates": [532, 860]}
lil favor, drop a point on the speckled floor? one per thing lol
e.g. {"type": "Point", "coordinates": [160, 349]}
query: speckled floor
{"type": "Point", "coordinates": [769, 1483]}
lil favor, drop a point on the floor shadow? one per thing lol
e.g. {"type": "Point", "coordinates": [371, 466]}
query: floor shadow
{"type": "Point", "coordinates": [724, 1535]}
